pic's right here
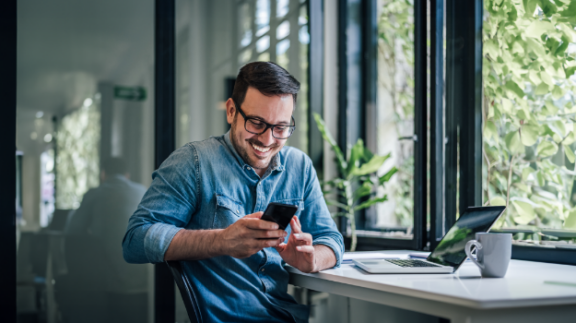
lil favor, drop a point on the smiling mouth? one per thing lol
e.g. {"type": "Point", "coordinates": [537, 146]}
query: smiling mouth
{"type": "Point", "coordinates": [260, 149]}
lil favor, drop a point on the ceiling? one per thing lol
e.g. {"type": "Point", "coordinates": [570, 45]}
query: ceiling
{"type": "Point", "coordinates": [65, 47]}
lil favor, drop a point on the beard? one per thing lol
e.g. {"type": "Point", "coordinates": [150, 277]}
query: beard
{"type": "Point", "coordinates": [243, 152]}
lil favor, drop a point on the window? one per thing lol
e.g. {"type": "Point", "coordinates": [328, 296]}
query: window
{"type": "Point", "coordinates": [529, 111]}
{"type": "Point", "coordinates": [78, 160]}
{"type": "Point", "coordinates": [277, 30]}
{"type": "Point", "coordinates": [383, 100]}
{"type": "Point", "coordinates": [500, 134]}
{"type": "Point", "coordinates": [395, 115]}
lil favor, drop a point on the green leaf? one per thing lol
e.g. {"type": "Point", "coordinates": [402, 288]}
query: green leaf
{"type": "Point", "coordinates": [570, 11]}
{"type": "Point", "coordinates": [546, 78]}
{"type": "Point", "coordinates": [569, 153]}
{"type": "Point", "coordinates": [535, 47]}
{"type": "Point", "coordinates": [513, 143]}
{"type": "Point", "coordinates": [338, 204]}
{"type": "Point", "coordinates": [562, 48]}
{"type": "Point", "coordinates": [337, 214]}
{"type": "Point", "coordinates": [371, 166]}
{"type": "Point", "coordinates": [363, 190]}
{"type": "Point", "coordinates": [371, 202]}
{"type": "Point", "coordinates": [551, 108]}
{"type": "Point", "coordinates": [525, 212]}
{"type": "Point", "coordinates": [570, 70]}
{"type": "Point", "coordinates": [534, 77]}
{"type": "Point", "coordinates": [546, 149]}
{"type": "Point", "coordinates": [530, 7]}
{"type": "Point", "coordinates": [491, 48]}
{"type": "Point", "coordinates": [570, 222]}
{"type": "Point", "coordinates": [548, 7]}
{"type": "Point", "coordinates": [342, 165]}
{"type": "Point", "coordinates": [514, 88]}
{"type": "Point", "coordinates": [507, 105]}
{"type": "Point", "coordinates": [557, 92]}
{"type": "Point", "coordinates": [512, 14]}
{"type": "Point", "coordinates": [386, 177]}
{"type": "Point", "coordinates": [490, 130]}
{"type": "Point", "coordinates": [542, 89]}
{"type": "Point", "coordinates": [518, 48]}
{"type": "Point", "coordinates": [367, 154]}
{"type": "Point", "coordinates": [497, 201]}
{"type": "Point", "coordinates": [540, 178]}
{"type": "Point", "coordinates": [523, 187]}
{"type": "Point", "coordinates": [356, 154]}
{"type": "Point", "coordinates": [526, 172]}
{"type": "Point", "coordinates": [539, 27]}
{"type": "Point", "coordinates": [529, 134]}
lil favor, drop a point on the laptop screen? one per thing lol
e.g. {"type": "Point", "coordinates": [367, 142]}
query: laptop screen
{"type": "Point", "coordinates": [450, 250]}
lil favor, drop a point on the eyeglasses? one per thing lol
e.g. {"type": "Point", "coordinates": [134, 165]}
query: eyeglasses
{"type": "Point", "coordinates": [258, 127]}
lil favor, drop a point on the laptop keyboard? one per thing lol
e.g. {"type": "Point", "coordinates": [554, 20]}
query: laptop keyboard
{"type": "Point", "coordinates": [411, 263]}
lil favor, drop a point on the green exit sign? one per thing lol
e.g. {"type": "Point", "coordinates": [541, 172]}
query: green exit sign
{"type": "Point", "coordinates": [135, 93]}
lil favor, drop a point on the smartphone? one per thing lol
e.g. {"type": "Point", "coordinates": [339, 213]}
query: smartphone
{"type": "Point", "coordinates": [280, 214]}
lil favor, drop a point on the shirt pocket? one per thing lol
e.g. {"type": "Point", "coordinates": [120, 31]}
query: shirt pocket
{"type": "Point", "coordinates": [227, 212]}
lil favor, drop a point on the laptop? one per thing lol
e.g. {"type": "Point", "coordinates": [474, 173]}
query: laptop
{"type": "Point", "coordinates": [448, 255]}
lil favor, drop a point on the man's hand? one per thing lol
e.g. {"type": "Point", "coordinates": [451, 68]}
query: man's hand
{"type": "Point", "coordinates": [301, 254]}
{"type": "Point", "coordinates": [249, 235]}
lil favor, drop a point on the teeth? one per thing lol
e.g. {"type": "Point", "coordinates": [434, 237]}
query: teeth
{"type": "Point", "coordinates": [260, 148]}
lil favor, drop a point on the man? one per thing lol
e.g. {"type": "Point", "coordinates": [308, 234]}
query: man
{"type": "Point", "coordinates": [206, 200]}
{"type": "Point", "coordinates": [96, 228]}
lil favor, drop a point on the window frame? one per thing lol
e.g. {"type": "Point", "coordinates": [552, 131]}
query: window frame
{"type": "Point", "coordinates": [357, 56]}
{"type": "Point", "coordinates": [8, 21]}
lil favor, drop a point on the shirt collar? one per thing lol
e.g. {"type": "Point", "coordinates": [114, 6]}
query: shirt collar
{"type": "Point", "coordinates": [275, 164]}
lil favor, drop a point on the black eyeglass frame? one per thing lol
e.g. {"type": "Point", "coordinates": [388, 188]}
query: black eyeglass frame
{"type": "Point", "coordinates": [268, 125]}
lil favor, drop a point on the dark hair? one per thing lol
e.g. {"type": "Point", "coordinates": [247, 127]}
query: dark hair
{"type": "Point", "coordinates": [268, 78]}
{"type": "Point", "coordinates": [113, 166]}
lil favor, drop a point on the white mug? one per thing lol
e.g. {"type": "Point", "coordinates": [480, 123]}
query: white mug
{"type": "Point", "coordinates": [493, 252]}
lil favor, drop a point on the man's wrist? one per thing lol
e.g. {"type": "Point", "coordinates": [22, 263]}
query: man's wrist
{"type": "Point", "coordinates": [217, 247]}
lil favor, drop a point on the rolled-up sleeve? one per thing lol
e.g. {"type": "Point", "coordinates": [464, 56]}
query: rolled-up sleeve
{"type": "Point", "coordinates": [316, 218]}
{"type": "Point", "coordinates": [165, 209]}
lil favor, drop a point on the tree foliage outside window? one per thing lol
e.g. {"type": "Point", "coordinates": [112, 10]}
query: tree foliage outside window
{"type": "Point", "coordinates": [529, 111]}
{"type": "Point", "coordinates": [396, 93]}
{"type": "Point", "coordinates": [77, 160]}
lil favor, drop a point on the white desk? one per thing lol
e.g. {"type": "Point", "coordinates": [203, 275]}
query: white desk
{"type": "Point", "coordinates": [522, 296]}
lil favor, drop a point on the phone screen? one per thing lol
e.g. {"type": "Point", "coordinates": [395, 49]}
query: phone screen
{"type": "Point", "coordinates": [280, 214]}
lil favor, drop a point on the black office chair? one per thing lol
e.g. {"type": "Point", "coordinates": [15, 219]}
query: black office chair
{"type": "Point", "coordinates": [186, 290]}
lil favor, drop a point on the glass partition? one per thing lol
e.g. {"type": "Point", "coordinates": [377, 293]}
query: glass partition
{"type": "Point", "coordinates": [85, 120]}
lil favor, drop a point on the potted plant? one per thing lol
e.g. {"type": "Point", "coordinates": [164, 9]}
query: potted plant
{"type": "Point", "coordinates": [358, 183]}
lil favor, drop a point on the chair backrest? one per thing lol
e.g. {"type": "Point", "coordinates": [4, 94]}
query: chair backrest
{"type": "Point", "coordinates": [185, 286]}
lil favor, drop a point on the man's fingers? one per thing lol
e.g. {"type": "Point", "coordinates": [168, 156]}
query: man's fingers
{"type": "Point", "coordinates": [295, 225]}
{"type": "Point", "coordinates": [268, 234]}
{"type": "Point", "coordinates": [271, 243]}
{"type": "Point", "coordinates": [257, 224]}
{"type": "Point", "coordinates": [305, 249]}
{"type": "Point", "coordinates": [256, 215]}
{"type": "Point", "coordinates": [303, 237]}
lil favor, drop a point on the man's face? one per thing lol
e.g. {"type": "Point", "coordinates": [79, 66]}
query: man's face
{"type": "Point", "coordinates": [258, 150]}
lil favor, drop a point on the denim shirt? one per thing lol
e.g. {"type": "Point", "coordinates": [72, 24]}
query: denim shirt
{"type": "Point", "coordinates": [207, 185]}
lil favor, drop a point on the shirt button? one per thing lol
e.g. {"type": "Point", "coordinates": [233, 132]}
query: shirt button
{"type": "Point", "coordinates": [248, 168]}
{"type": "Point", "coordinates": [263, 269]}
{"type": "Point", "coordinates": [237, 211]}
